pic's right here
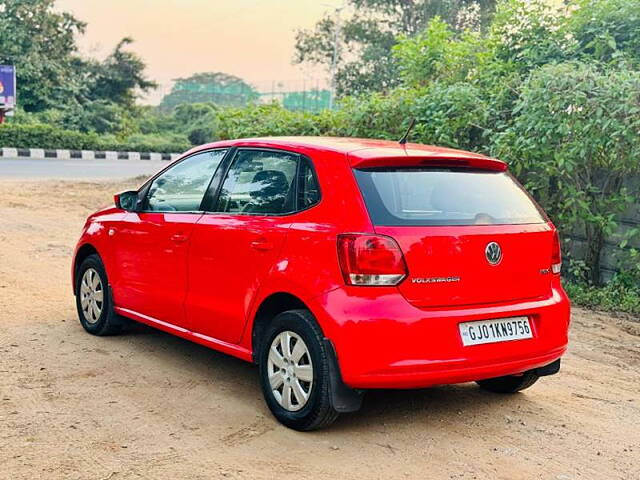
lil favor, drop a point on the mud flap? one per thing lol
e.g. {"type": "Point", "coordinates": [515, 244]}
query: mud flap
{"type": "Point", "coordinates": [343, 398]}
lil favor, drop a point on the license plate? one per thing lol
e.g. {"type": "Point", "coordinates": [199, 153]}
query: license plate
{"type": "Point", "coordinates": [493, 331]}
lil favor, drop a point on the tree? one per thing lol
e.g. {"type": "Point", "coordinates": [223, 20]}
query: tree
{"type": "Point", "coordinates": [217, 87]}
{"type": "Point", "coordinates": [608, 31]}
{"type": "Point", "coordinates": [574, 139]}
{"type": "Point", "coordinates": [438, 54]}
{"type": "Point", "coordinates": [365, 62]}
{"type": "Point", "coordinates": [527, 34]}
{"type": "Point", "coordinates": [41, 44]}
{"type": "Point", "coordinates": [98, 116]}
{"type": "Point", "coordinates": [119, 78]}
{"type": "Point", "coordinates": [451, 115]}
{"type": "Point", "coordinates": [197, 120]}
{"type": "Point", "coordinates": [105, 100]}
{"type": "Point", "coordinates": [89, 94]}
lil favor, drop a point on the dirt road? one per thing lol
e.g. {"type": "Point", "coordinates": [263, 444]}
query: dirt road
{"type": "Point", "coordinates": [148, 405]}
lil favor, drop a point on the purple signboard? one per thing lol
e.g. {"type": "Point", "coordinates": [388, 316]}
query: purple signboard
{"type": "Point", "coordinates": [7, 87]}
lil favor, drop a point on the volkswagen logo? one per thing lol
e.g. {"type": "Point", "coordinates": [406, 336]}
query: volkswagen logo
{"type": "Point", "coordinates": [493, 252]}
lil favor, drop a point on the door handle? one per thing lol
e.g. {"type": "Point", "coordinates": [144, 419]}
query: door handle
{"type": "Point", "coordinates": [179, 238]}
{"type": "Point", "coordinates": [261, 244]}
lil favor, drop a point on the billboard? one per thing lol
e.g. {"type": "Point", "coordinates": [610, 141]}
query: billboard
{"type": "Point", "coordinates": [7, 87]}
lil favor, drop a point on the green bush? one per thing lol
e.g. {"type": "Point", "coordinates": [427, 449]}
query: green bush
{"type": "Point", "coordinates": [526, 34]}
{"type": "Point", "coordinates": [621, 294]}
{"type": "Point", "coordinates": [101, 117]}
{"type": "Point", "coordinates": [160, 143]}
{"type": "Point", "coordinates": [574, 139]}
{"type": "Point", "coordinates": [551, 87]}
{"type": "Point", "coordinates": [271, 120]}
{"type": "Point", "coordinates": [377, 115]}
{"type": "Point", "coordinates": [452, 116]}
{"type": "Point", "coordinates": [437, 54]}
{"type": "Point", "coordinates": [608, 31]}
{"type": "Point", "coordinates": [45, 136]}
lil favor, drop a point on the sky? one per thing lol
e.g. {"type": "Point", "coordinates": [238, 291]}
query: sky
{"type": "Point", "coordinates": [253, 39]}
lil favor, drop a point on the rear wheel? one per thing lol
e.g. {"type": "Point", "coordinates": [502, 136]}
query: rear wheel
{"type": "Point", "coordinates": [294, 372]}
{"type": "Point", "coordinates": [509, 383]}
{"type": "Point", "coordinates": [93, 299]}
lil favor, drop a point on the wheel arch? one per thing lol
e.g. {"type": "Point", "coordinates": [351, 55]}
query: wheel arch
{"type": "Point", "coordinates": [271, 306]}
{"type": "Point", "coordinates": [342, 397]}
{"type": "Point", "coordinates": [83, 252]}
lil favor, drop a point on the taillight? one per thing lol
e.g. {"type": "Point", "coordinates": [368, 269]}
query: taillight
{"type": "Point", "coordinates": [372, 260]}
{"type": "Point", "coordinates": [556, 256]}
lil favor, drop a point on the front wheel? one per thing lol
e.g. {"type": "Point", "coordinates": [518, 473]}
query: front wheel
{"type": "Point", "coordinates": [294, 372]}
{"type": "Point", "coordinates": [93, 299]}
{"type": "Point", "coordinates": [509, 383]}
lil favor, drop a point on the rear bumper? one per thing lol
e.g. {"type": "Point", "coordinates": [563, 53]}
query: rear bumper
{"type": "Point", "coordinates": [382, 341]}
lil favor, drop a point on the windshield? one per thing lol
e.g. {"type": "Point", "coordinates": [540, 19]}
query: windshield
{"type": "Point", "coordinates": [444, 196]}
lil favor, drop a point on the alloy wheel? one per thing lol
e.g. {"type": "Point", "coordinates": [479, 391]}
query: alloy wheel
{"type": "Point", "coordinates": [290, 371]}
{"type": "Point", "coordinates": [91, 296]}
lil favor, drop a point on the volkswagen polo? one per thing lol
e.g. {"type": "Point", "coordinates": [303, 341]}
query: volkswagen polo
{"type": "Point", "coordinates": [336, 265]}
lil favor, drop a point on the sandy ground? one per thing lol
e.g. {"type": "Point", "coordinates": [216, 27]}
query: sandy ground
{"type": "Point", "coordinates": [148, 405]}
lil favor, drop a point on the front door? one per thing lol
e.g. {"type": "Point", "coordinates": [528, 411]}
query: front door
{"type": "Point", "coordinates": [152, 245]}
{"type": "Point", "coordinates": [233, 248]}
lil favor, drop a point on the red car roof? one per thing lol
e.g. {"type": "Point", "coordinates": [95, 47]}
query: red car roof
{"type": "Point", "coordinates": [363, 152]}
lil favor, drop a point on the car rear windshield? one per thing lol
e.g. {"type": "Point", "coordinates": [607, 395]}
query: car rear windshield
{"type": "Point", "coordinates": [444, 196]}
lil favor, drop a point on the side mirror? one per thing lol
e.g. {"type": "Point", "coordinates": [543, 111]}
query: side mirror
{"type": "Point", "coordinates": [126, 200]}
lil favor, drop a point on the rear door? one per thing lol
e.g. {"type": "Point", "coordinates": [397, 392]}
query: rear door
{"type": "Point", "coordinates": [152, 244]}
{"type": "Point", "coordinates": [468, 236]}
{"type": "Point", "coordinates": [234, 245]}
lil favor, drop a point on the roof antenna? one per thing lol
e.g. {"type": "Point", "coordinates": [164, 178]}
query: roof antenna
{"type": "Point", "coordinates": [405, 137]}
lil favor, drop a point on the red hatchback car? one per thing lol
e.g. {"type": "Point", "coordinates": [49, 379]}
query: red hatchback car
{"type": "Point", "coordinates": [337, 265]}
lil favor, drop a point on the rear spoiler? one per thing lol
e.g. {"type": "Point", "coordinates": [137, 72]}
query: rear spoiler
{"type": "Point", "coordinates": [359, 159]}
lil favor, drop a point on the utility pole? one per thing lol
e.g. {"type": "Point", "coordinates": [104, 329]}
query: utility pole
{"type": "Point", "coordinates": [336, 53]}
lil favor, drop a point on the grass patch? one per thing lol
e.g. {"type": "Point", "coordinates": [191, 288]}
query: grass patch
{"type": "Point", "coordinates": [622, 294]}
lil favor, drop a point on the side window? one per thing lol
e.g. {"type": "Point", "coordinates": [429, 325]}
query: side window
{"type": "Point", "coordinates": [308, 190]}
{"type": "Point", "coordinates": [181, 188]}
{"type": "Point", "coordinates": [260, 182]}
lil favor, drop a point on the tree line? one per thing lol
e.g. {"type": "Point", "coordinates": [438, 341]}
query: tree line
{"type": "Point", "coordinates": [552, 87]}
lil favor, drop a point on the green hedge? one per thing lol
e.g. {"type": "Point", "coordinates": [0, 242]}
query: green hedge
{"type": "Point", "coordinates": [271, 120]}
{"type": "Point", "coordinates": [48, 137]}
{"type": "Point", "coordinates": [616, 296]}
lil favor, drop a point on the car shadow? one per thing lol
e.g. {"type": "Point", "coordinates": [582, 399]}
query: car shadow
{"type": "Point", "coordinates": [381, 408]}
{"type": "Point", "coordinates": [395, 408]}
{"type": "Point", "coordinates": [201, 359]}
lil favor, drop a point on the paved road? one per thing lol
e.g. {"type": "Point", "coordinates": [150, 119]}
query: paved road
{"type": "Point", "coordinates": [26, 168]}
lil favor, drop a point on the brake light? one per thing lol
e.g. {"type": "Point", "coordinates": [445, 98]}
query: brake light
{"type": "Point", "coordinates": [372, 260]}
{"type": "Point", "coordinates": [556, 256]}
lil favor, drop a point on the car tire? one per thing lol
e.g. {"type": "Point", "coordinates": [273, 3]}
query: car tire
{"type": "Point", "coordinates": [509, 383]}
{"type": "Point", "coordinates": [93, 299]}
{"type": "Point", "coordinates": [280, 370]}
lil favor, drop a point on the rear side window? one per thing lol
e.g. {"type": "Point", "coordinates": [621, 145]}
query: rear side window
{"type": "Point", "coordinates": [308, 190]}
{"type": "Point", "coordinates": [421, 196]}
{"type": "Point", "coordinates": [260, 182]}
